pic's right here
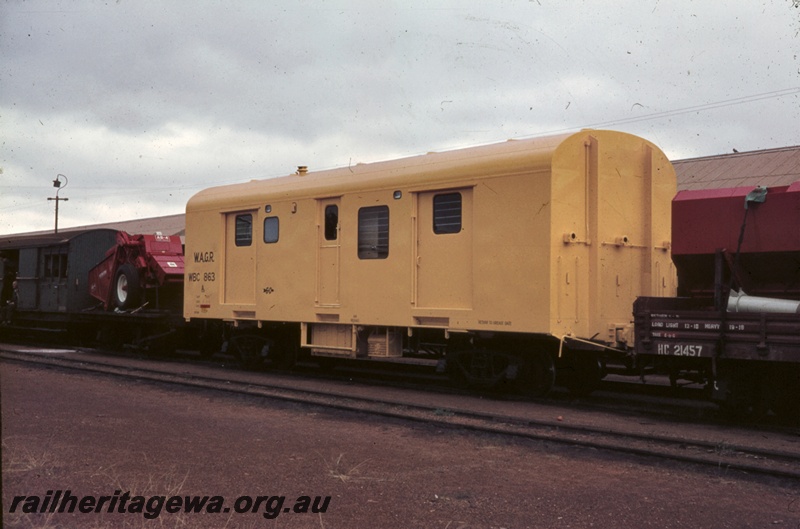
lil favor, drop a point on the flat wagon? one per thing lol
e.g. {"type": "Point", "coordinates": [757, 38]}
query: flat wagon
{"type": "Point", "coordinates": [93, 284]}
{"type": "Point", "coordinates": [736, 325]}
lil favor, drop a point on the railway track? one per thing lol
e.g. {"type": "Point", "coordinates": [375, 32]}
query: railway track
{"type": "Point", "coordinates": [652, 398]}
{"type": "Point", "coordinates": [773, 452]}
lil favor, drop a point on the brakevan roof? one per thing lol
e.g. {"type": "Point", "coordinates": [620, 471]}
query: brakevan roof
{"type": "Point", "coordinates": [768, 168]}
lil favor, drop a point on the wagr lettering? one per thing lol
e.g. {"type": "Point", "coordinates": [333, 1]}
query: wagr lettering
{"type": "Point", "coordinates": [203, 257]}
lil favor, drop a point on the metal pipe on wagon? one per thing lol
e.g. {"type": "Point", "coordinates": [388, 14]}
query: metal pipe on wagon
{"type": "Point", "coordinates": [741, 302]}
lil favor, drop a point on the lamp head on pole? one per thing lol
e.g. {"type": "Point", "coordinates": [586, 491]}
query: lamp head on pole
{"type": "Point", "coordinates": [57, 185]}
{"type": "Point", "coordinates": [57, 182]}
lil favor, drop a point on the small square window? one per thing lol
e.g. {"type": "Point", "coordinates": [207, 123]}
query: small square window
{"type": "Point", "coordinates": [447, 213]}
{"type": "Point", "coordinates": [271, 228]}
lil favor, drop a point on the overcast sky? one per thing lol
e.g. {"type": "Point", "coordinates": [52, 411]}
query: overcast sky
{"type": "Point", "coordinates": [143, 103]}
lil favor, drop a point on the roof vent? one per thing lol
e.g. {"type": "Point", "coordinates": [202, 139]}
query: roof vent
{"type": "Point", "coordinates": [302, 170]}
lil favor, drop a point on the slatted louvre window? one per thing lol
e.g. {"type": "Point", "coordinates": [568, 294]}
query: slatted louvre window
{"type": "Point", "coordinates": [244, 230]}
{"type": "Point", "coordinates": [373, 232]}
{"type": "Point", "coordinates": [447, 213]}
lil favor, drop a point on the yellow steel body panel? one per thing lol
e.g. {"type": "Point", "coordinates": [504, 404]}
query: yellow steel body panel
{"type": "Point", "coordinates": [556, 236]}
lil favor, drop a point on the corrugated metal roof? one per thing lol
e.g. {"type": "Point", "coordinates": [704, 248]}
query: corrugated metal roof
{"type": "Point", "coordinates": [168, 225]}
{"type": "Point", "coordinates": [770, 168]}
{"type": "Point", "coordinates": [37, 239]}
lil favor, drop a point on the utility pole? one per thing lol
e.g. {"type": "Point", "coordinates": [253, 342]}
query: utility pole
{"type": "Point", "coordinates": [57, 184]}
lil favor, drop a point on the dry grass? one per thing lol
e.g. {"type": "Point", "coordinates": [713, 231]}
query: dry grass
{"type": "Point", "coordinates": [338, 470]}
{"type": "Point", "coordinates": [20, 459]}
{"type": "Point", "coordinates": [27, 466]}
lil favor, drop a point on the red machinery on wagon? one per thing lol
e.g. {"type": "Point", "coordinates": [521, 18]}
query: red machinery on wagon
{"type": "Point", "coordinates": [737, 322]}
{"type": "Point", "coordinates": [138, 271]}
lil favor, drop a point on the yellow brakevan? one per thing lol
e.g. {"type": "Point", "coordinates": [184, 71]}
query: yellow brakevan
{"type": "Point", "coordinates": [497, 259]}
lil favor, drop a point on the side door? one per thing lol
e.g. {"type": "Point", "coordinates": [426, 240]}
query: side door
{"type": "Point", "coordinates": [443, 260]}
{"type": "Point", "coordinates": [240, 258]}
{"type": "Point", "coordinates": [53, 279]}
{"type": "Point", "coordinates": [328, 252]}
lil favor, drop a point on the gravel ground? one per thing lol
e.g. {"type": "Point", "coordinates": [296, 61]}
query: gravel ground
{"type": "Point", "coordinates": [99, 435]}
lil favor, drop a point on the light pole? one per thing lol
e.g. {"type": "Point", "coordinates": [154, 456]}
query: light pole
{"type": "Point", "coordinates": [57, 184]}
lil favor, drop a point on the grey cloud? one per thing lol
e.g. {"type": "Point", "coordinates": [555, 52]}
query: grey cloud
{"type": "Point", "coordinates": [144, 103]}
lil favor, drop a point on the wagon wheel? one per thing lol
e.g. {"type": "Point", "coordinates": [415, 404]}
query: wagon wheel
{"type": "Point", "coordinates": [126, 289]}
{"type": "Point", "coordinates": [456, 371]}
{"type": "Point", "coordinates": [787, 408]}
{"type": "Point", "coordinates": [580, 374]}
{"type": "Point", "coordinates": [476, 368]}
{"type": "Point", "coordinates": [536, 374]}
{"type": "Point", "coordinates": [737, 390]}
{"type": "Point", "coordinates": [783, 393]}
{"type": "Point", "coordinates": [250, 349]}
